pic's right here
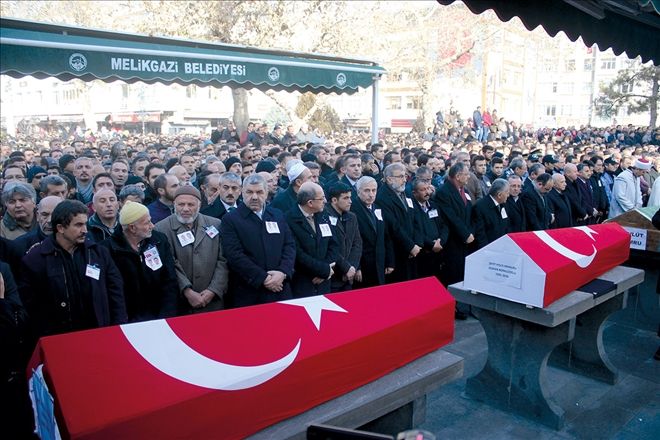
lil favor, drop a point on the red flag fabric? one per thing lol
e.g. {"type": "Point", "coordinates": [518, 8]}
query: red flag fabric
{"type": "Point", "coordinates": [232, 373]}
{"type": "Point", "coordinates": [571, 257]}
{"type": "Point", "coordinates": [539, 267]}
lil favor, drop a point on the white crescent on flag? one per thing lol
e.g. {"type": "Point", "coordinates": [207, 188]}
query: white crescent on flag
{"type": "Point", "coordinates": [157, 343]}
{"type": "Point", "coordinates": [580, 259]}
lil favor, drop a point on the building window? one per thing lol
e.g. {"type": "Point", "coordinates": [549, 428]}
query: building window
{"type": "Point", "coordinates": [191, 91]}
{"type": "Point", "coordinates": [608, 64]}
{"type": "Point", "coordinates": [393, 103]}
{"type": "Point", "coordinates": [124, 91]}
{"type": "Point", "coordinates": [570, 65]}
{"type": "Point", "coordinates": [586, 87]}
{"type": "Point", "coordinates": [588, 64]}
{"type": "Point", "coordinates": [550, 110]}
{"type": "Point", "coordinates": [554, 87]}
{"type": "Point", "coordinates": [626, 88]}
{"type": "Point", "coordinates": [414, 103]}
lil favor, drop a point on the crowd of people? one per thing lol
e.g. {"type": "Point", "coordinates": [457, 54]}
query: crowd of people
{"type": "Point", "coordinates": [104, 231]}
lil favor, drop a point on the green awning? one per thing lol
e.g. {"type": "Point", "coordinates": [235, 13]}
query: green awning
{"type": "Point", "coordinates": [44, 50]}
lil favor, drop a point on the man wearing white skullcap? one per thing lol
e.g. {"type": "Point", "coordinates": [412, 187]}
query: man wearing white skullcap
{"type": "Point", "coordinates": [626, 192]}
{"type": "Point", "coordinates": [297, 174]}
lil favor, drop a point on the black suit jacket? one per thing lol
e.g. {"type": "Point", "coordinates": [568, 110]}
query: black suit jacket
{"type": "Point", "coordinates": [456, 215]}
{"type": "Point", "coordinates": [575, 199]}
{"type": "Point", "coordinates": [537, 212]}
{"type": "Point", "coordinates": [399, 223]}
{"type": "Point", "coordinates": [560, 206]}
{"type": "Point", "coordinates": [516, 213]}
{"type": "Point", "coordinates": [377, 250]}
{"type": "Point", "coordinates": [347, 234]}
{"type": "Point", "coordinates": [215, 209]}
{"type": "Point", "coordinates": [286, 200]}
{"type": "Point", "coordinates": [487, 222]}
{"type": "Point", "coordinates": [314, 254]}
{"type": "Point", "coordinates": [251, 251]}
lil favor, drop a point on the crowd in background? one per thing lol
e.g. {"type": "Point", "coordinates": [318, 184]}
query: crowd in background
{"type": "Point", "coordinates": [107, 228]}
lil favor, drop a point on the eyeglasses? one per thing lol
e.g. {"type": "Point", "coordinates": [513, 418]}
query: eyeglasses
{"type": "Point", "coordinates": [398, 177]}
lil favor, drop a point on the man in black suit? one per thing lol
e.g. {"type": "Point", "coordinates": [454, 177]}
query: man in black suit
{"type": "Point", "coordinates": [347, 233]}
{"type": "Point", "coordinates": [560, 206]}
{"type": "Point", "coordinates": [489, 217]}
{"type": "Point", "coordinates": [316, 247]}
{"type": "Point", "coordinates": [259, 248]}
{"type": "Point", "coordinates": [537, 211]}
{"type": "Point", "coordinates": [377, 258]}
{"type": "Point", "coordinates": [398, 214]}
{"type": "Point", "coordinates": [226, 199]}
{"type": "Point", "coordinates": [455, 211]}
{"type": "Point", "coordinates": [514, 206]}
{"type": "Point", "coordinates": [583, 183]}
{"type": "Point", "coordinates": [534, 171]}
{"type": "Point", "coordinates": [352, 171]}
{"type": "Point", "coordinates": [572, 192]}
{"type": "Point", "coordinates": [297, 174]}
{"type": "Point", "coordinates": [431, 232]}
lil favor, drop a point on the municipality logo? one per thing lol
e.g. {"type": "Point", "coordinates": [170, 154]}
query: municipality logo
{"type": "Point", "coordinates": [273, 74]}
{"type": "Point", "coordinates": [78, 62]}
{"type": "Point", "coordinates": [341, 80]}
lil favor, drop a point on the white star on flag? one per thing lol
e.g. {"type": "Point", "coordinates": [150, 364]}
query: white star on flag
{"type": "Point", "coordinates": [314, 305]}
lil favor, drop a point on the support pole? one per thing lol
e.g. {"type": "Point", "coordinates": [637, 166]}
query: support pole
{"type": "Point", "coordinates": [374, 109]}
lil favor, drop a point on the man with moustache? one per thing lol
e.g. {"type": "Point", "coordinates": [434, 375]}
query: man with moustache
{"type": "Point", "coordinates": [431, 232]}
{"type": "Point", "coordinates": [229, 190]}
{"type": "Point", "coordinates": [456, 210]}
{"type": "Point", "coordinates": [194, 238]}
{"type": "Point", "coordinates": [69, 283]}
{"type": "Point", "coordinates": [24, 243]}
{"type": "Point", "coordinates": [398, 213]}
{"type": "Point", "coordinates": [377, 258]}
{"type": "Point", "coordinates": [145, 262]}
{"type": "Point", "coordinates": [259, 248]}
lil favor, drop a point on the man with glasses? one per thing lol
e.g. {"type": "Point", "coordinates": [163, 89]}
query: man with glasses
{"type": "Point", "coordinates": [316, 247]}
{"type": "Point", "coordinates": [455, 210]}
{"type": "Point", "coordinates": [398, 214]}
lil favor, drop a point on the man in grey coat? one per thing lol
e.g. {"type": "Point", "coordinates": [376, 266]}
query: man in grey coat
{"type": "Point", "coordinates": [194, 238]}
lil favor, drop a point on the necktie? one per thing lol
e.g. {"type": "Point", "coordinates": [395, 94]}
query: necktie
{"type": "Point", "coordinates": [231, 208]}
{"type": "Point", "coordinates": [461, 190]}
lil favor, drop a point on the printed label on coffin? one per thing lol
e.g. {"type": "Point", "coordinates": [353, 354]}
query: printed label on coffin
{"type": "Point", "coordinates": [555, 262]}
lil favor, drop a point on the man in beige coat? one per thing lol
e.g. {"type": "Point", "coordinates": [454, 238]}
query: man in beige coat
{"type": "Point", "coordinates": [194, 238]}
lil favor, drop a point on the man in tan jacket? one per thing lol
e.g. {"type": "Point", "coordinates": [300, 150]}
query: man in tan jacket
{"type": "Point", "coordinates": [194, 238]}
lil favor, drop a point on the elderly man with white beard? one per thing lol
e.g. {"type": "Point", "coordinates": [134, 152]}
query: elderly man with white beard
{"type": "Point", "coordinates": [398, 214]}
{"type": "Point", "coordinates": [194, 238]}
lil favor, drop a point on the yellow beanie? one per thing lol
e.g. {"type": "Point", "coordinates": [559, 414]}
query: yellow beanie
{"type": "Point", "coordinates": [132, 212]}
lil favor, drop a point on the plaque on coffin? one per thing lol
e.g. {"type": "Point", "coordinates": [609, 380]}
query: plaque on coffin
{"type": "Point", "coordinates": [643, 235]}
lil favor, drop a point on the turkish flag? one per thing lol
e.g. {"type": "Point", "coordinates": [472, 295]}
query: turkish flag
{"type": "Point", "coordinates": [232, 373]}
{"type": "Point", "coordinates": [539, 267]}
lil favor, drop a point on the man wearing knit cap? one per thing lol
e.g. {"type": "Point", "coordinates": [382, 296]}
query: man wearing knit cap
{"type": "Point", "coordinates": [144, 258]}
{"type": "Point", "coordinates": [626, 192]}
{"type": "Point", "coordinates": [297, 174]}
{"type": "Point", "coordinates": [194, 238]}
